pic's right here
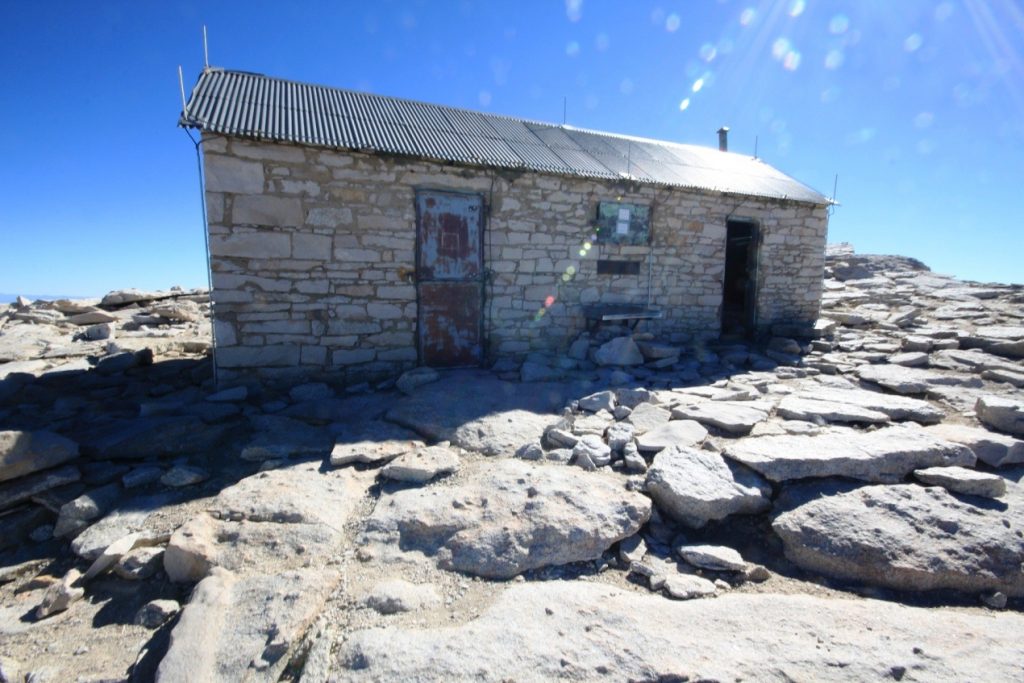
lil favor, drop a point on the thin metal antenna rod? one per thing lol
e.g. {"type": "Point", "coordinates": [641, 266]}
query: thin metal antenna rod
{"type": "Point", "coordinates": [835, 186]}
{"type": "Point", "coordinates": [181, 84]}
{"type": "Point", "coordinates": [206, 50]}
{"type": "Point", "coordinates": [755, 146]}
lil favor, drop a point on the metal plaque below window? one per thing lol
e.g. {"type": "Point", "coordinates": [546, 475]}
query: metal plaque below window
{"type": "Point", "coordinates": [622, 223]}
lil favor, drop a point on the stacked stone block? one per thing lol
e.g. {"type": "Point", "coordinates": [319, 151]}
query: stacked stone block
{"type": "Point", "coordinates": [313, 258]}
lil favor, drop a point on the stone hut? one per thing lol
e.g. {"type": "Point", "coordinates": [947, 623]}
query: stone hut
{"type": "Point", "coordinates": [358, 236]}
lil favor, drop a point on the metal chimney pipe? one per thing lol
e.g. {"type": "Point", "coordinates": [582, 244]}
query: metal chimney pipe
{"type": "Point", "coordinates": [723, 138]}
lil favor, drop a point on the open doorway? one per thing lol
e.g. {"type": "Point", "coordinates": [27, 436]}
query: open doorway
{"type": "Point", "coordinates": [739, 289]}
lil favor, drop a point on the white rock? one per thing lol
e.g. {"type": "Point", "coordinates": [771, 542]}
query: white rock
{"type": "Point", "coordinates": [696, 486]}
{"type": "Point", "coordinates": [714, 557]}
{"type": "Point", "coordinates": [963, 480]}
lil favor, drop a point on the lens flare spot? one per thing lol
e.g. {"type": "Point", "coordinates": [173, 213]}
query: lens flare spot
{"type": "Point", "coordinates": [708, 52]}
{"type": "Point", "coordinates": [924, 119]}
{"type": "Point", "coordinates": [748, 16]}
{"type": "Point", "coordinates": [566, 277]}
{"type": "Point", "coordinates": [913, 42]}
{"type": "Point", "coordinates": [697, 85]}
{"type": "Point", "coordinates": [684, 105]}
{"type": "Point", "coordinates": [583, 252]}
{"type": "Point", "coordinates": [797, 7]}
{"type": "Point", "coordinates": [572, 48]}
{"type": "Point", "coordinates": [672, 23]}
{"type": "Point", "coordinates": [780, 48]}
{"type": "Point", "coordinates": [838, 24]}
{"type": "Point", "coordinates": [830, 94]}
{"type": "Point", "coordinates": [587, 246]}
{"type": "Point", "coordinates": [574, 10]}
{"type": "Point", "coordinates": [571, 270]}
{"type": "Point", "coordinates": [792, 61]}
{"type": "Point", "coordinates": [834, 59]}
{"type": "Point", "coordinates": [548, 302]}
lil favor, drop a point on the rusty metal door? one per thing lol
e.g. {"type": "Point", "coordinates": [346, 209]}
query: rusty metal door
{"type": "Point", "coordinates": [449, 277]}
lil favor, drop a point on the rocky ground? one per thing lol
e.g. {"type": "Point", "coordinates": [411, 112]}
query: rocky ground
{"type": "Point", "coordinates": [844, 502]}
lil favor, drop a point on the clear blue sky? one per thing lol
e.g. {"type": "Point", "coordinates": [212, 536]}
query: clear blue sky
{"type": "Point", "coordinates": [917, 105]}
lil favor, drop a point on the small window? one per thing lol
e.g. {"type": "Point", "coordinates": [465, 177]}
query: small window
{"type": "Point", "coordinates": [622, 223]}
{"type": "Point", "coordinates": [609, 267]}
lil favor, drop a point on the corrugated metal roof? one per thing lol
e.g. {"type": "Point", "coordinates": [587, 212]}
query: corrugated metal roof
{"type": "Point", "coordinates": [256, 106]}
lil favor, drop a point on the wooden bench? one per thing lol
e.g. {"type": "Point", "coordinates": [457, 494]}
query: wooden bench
{"type": "Point", "coordinates": [631, 314]}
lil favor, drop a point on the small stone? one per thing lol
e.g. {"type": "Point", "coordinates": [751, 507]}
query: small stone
{"type": "Point", "coordinates": [140, 563]}
{"type": "Point", "coordinates": [714, 557]}
{"type": "Point", "coordinates": [110, 555]}
{"type": "Point", "coordinates": [98, 332]}
{"type": "Point", "coordinates": [632, 550]}
{"type": "Point", "coordinates": [140, 476]}
{"type": "Point", "coordinates": [530, 451]}
{"type": "Point", "coordinates": [688, 586]}
{"type": "Point", "coordinates": [996, 600]}
{"type": "Point", "coordinates": [184, 475]}
{"type": "Point", "coordinates": [619, 351]}
{"type": "Point", "coordinates": [602, 400]}
{"type": "Point", "coordinates": [61, 595]}
{"type": "Point", "coordinates": [756, 573]}
{"type": "Point", "coordinates": [619, 435]}
{"type": "Point", "coordinates": [156, 612]}
{"type": "Point", "coordinates": [416, 377]}
{"type": "Point", "coordinates": [239, 393]}
{"type": "Point", "coordinates": [397, 595]}
{"type": "Point", "coordinates": [314, 391]}
{"type": "Point", "coordinates": [681, 433]}
{"type": "Point", "coordinates": [635, 462]}
{"type": "Point", "coordinates": [592, 449]}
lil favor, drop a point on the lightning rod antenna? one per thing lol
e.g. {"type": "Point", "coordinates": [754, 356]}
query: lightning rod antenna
{"type": "Point", "coordinates": [206, 50]}
{"type": "Point", "coordinates": [181, 84]}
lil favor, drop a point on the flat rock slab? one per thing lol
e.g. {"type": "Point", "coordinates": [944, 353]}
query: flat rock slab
{"type": "Point", "coordinates": [993, 449]}
{"type": "Point", "coordinates": [696, 486]}
{"type": "Point", "coordinates": [647, 416]}
{"type": "Point", "coordinates": [422, 465]}
{"type": "Point", "coordinates": [270, 522]}
{"type": "Point", "coordinates": [683, 433]}
{"type": "Point", "coordinates": [474, 404]}
{"type": "Point", "coordinates": [376, 442]}
{"type": "Point", "coordinates": [23, 453]}
{"type": "Point", "coordinates": [905, 380]}
{"type": "Point", "coordinates": [885, 455]}
{"type": "Point", "coordinates": [1004, 414]}
{"type": "Point", "coordinates": [909, 537]}
{"type": "Point", "coordinates": [502, 433]}
{"type": "Point", "coordinates": [963, 480]}
{"type": "Point", "coordinates": [561, 630]}
{"type": "Point", "coordinates": [506, 517]}
{"type": "Point", "coordinates": [833, 404]}
{"type": "Point", "coordinates": [238, 628]}
{"type": "Point", "coordinates": [732, 417]}
{"type": "Point", "coordinates": [283, 437]}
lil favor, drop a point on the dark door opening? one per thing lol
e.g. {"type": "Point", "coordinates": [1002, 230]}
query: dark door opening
{"type": "Point", "coordinates": [449, 277]}
{"type": "Point", "coordinates": [739, 290]}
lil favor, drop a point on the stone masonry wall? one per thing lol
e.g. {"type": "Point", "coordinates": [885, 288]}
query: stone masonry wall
{"type": "Point", "coordinates": [313, 258]}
